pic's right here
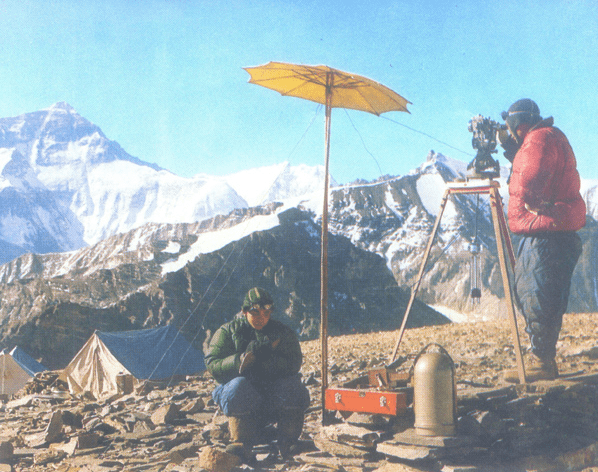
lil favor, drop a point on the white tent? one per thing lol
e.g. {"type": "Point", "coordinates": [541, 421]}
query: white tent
{"type": "Point", "coordinates": [16, 368]}
{"type": "Point", "coordinates": [154, 354]}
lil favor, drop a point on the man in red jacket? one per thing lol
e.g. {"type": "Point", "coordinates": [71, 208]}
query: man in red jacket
{"type": "Point", "coordinates": [546, 209]}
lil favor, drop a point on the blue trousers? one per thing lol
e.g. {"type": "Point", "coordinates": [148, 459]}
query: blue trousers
{"type": "Point", "coordinates": [543, 272]}
{"type": "Point", "coordinates": [240, 397]}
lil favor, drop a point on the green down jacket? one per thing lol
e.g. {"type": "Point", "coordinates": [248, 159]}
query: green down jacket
{"type": "Point", "coordinates": [230, 341]}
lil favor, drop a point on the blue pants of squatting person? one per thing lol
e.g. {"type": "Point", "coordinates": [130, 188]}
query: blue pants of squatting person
{"type": "Point", "coordinates": [543, 271]}
{"type": "Point", "coordinates": [240, 397]}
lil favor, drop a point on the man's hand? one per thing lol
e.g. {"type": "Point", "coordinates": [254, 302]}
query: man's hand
{"type": "Point", "coordinates": [542, 209]}
{"type": "Point", "coordinates": [509, 144]}
{"type": "Point", "coordinates": [256, 350]}
{"type": "Point", "coordinates": [261, 349]}
{"type": "Point", "coordinates": [247, 360]}
{"type": "Point", "coordinates": [533, 211]}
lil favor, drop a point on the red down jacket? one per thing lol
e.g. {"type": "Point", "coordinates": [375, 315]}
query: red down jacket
{"type": "Point", "coordinates": [544, 186]}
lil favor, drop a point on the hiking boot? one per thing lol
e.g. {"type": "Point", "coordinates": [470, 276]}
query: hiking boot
{"type": "Point", "coordinates": [290, 425]}
{"type": "Point", "coordinates": [240, 450]}
{"type": "Point", "coordinates": [540, 369]}
{"type": "Point", "coordinates": [243, 432]}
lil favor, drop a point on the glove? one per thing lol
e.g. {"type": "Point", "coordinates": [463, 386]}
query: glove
{"type": "Point", "coordinates": [260, 349]}
{"type": "Point", "coordinates": [256, 351]}
{"type": "Point", "coordinates": [247, 360]}
{"type": "Point", "coordinates": [509, 145]}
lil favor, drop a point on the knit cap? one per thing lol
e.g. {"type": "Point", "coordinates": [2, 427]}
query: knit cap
{"type": "Point", "coordinates": [256, 296]}
{"type": "Point", "coordinates": [522, 111]}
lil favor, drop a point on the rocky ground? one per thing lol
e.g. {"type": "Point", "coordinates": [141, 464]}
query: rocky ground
{"type": "Point", "coordinates": [545, 426]}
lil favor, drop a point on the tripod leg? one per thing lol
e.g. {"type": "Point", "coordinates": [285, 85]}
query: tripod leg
{"type": "Point", "coordinates": [422, 268]}
{"type": "Point", "coordinates": [505, 231]}
{"type": "Point", "coordinates": [502, 240]}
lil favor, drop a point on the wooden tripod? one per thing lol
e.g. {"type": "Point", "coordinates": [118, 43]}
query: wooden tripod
{"type": "Point", "coordinates": [503, 240]}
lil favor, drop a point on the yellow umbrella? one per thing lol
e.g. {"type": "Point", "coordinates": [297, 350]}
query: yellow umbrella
{"type": "Point", "coordinates": [334, 89]}
{"type": "Point", "coordinates": [328, 86]}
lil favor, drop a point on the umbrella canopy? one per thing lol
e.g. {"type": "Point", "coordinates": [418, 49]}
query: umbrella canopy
{"type": "Point", "coordinates": [317, 83]}
{"type": "Point", "coordinates": [334, 89]}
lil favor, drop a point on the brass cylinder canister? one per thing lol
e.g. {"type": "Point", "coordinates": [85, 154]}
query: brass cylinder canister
{"type": "Point", "coordinates": [434, 392]}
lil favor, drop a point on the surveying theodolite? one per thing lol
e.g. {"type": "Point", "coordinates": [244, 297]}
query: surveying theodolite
{"type": "Point", "coordinates": [383, 390]}
{"type": "Point", "coordinates": [485, 134]}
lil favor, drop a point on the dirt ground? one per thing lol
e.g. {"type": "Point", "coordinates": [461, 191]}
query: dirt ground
{"type": "Point", "coordinates": [134, 433]}
{"type": "Point", "coordinates": [480, 350]}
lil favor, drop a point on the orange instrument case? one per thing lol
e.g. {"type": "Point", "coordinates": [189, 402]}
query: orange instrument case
{"type": "Point", "coordinates": [381, 392]}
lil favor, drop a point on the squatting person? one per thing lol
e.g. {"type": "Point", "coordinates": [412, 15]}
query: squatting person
{"type": "Point", "coordinates": [256, 361]}
{"type": "Point", "coordinates": [546, 209]}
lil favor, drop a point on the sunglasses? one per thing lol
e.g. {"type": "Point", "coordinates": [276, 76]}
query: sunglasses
{"type": "Point", "coordinates": [258, 309]}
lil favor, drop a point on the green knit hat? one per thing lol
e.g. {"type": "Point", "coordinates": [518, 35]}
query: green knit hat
{"type": "Point", "coordinates": [256, 296]}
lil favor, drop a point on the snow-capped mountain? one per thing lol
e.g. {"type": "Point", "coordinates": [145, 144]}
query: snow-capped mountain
{"type": "Point", "coordinates": [32, 218]}
{"type": "Point", "coordinates": [64, 184]}
{"type": "Point", "coordinates": [278, 183]}
{"type": "Point", "coordinates": [395, 219]}
{"type": "Point", "coordinates": [589, 190]}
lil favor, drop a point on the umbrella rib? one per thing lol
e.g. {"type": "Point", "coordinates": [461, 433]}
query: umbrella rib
{"type": "Point", "coordinates": [368, 104]}
{"type": "Point", "coordinates": [311, 76]}
{"type": "Point", "coordinates": [290, 92]}
{"type": "Point", "coordinates": [289, 76]}
{"type": "Point", "coordinates": [391, 96]}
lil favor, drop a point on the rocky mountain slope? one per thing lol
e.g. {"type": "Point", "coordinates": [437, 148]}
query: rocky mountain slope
{"type": "Point", "coordinates": [394, 218]}
{"type": "Point", "coordinates": [145, 280]}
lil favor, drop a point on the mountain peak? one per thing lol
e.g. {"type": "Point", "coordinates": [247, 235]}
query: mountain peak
{"type": "Point", "coordinates": [61, 106]}
{"type": "Point", "coordinates": [437, 163]}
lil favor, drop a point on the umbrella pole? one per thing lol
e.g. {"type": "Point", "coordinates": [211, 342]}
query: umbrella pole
{"type": "Point", "coordinates": [324, 259]}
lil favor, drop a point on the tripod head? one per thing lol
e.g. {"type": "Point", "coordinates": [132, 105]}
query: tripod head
{"type": "Point", "coordinates": [485, 133]}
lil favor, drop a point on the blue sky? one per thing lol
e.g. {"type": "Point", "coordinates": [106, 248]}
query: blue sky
{"type": "Point", "coordinates": [165, 78]}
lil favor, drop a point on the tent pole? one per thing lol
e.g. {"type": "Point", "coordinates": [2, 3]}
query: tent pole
{"type": "Point", "coordinates": [324, 255]}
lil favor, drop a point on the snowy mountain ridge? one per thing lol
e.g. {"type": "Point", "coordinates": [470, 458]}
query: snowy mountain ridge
{"type": "Point", "coordinates": [57, 166]}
